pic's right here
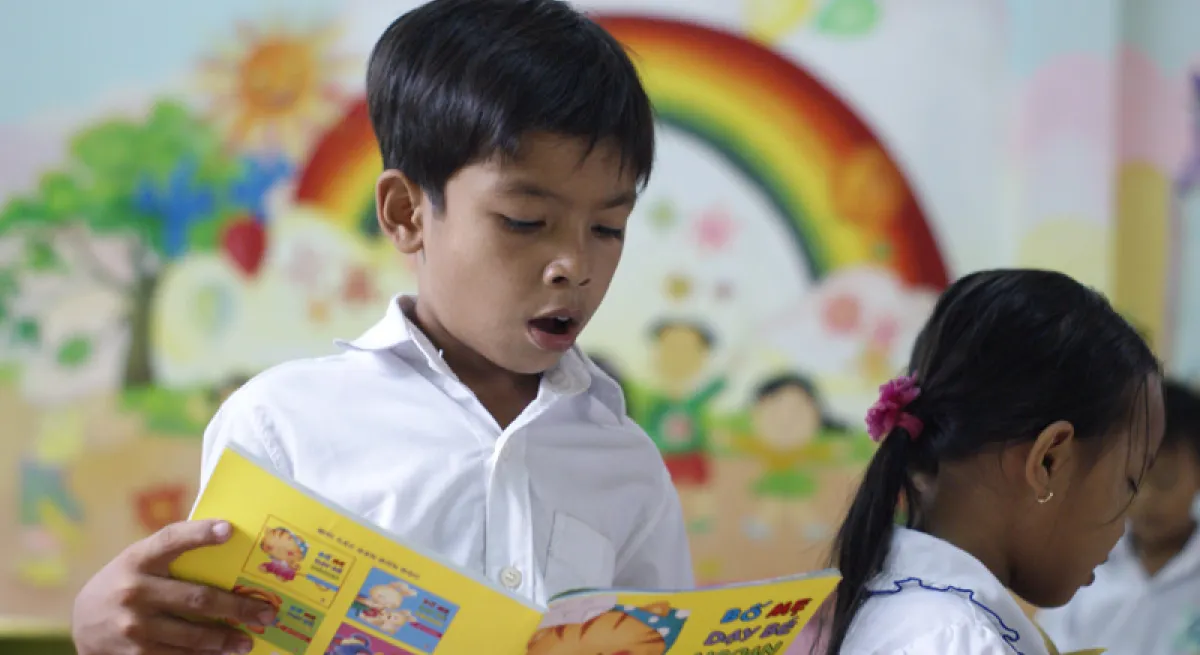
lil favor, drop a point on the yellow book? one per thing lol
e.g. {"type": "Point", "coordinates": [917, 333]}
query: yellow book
{"type": "Point", "coordinates": [345, 587]}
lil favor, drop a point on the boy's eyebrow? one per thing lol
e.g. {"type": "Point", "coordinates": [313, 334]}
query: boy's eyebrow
{"type": "Point", "coordinates": [524, 188]}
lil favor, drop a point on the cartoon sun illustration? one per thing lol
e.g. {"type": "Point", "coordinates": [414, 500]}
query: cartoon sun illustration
{"type": "Point", "coordinates": [275, 86]}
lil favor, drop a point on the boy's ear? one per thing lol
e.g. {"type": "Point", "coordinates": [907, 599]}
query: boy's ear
{"type": "Point", "coordinates": [400, 210]}
{"type": "Point", "coordinates": [1049, 458]}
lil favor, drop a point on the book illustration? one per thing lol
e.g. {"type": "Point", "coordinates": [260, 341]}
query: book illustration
{"type": "Point", "coordinates": [648, 630]}
{"type": "Point", "coordinates": [287, 558]}
{"type": "Point", "coordinates": [257, 593]}
{"type": "Point", "coordinates": [295, 626]}
{"type": "Point", "coordinates": [380, 606]}
{"type": "Point", "coordinates": [402, 611]}
{"type": "Point", "coordinates": [286, 552]}
{"type": "Point", "coordinates": [350, 640]}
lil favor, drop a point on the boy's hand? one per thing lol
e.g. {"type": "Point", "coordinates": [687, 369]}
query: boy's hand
{"type": "Point", "coordinates": [133, 607]}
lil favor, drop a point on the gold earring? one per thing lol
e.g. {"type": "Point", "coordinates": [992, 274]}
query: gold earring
{"type": "Point", "coordinates": [1043, 501]}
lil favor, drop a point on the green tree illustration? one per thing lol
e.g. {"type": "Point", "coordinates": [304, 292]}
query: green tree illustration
{"type": "Point", "coordinates": [157, 184]}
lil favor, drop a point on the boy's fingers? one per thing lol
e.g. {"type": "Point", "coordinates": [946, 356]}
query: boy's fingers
{"type": "Point", "coordinates": [203, 602]}
{"type": "Point", "coordinates": [162, 649]}
{"type": "Point", "coordinates": [176, 633]}
{"type": "Point", "coordinates": [158, 550]}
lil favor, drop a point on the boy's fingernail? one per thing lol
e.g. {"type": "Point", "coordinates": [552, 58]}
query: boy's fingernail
{"type": "Point", "coordinates": [266, 617]}
{"type": "Point", "coordinates": [221, 530]}
{"type": "Point", "coordinates": [245, 645]}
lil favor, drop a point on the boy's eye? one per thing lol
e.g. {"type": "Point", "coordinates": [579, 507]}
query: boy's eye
{"type": "Point", "coordinates": [609, 232]}
{"type": "Point", "coordinates": [520, 226]}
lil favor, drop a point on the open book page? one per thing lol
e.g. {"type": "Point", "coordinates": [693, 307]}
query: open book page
{"type": "Point", "coordinates": [341, 586]}
{"type": "Point", "coordinates": [762, 618]}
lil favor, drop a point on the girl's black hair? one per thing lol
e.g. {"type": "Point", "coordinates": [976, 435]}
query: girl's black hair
{"type": "Point", "coordinates": [797, 381]}
{"type": "Point", "coordinates": [1004, 354]}
{"type": "Point", "coordinates": [1182, 407]}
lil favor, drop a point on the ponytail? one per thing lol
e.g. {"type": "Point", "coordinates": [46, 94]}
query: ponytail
{"type": "Point", "coordinates": [865, 538]}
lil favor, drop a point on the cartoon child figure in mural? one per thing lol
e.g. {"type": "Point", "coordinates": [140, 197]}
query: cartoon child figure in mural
{"type": "Point", "coordinates": [675, 414]}
{"type": "Point", "coordinates": [286, 552]}
{"type": "Point", "coordinates": [792, 438]}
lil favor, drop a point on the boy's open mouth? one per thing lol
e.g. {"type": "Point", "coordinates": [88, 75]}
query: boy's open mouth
{"type": "Point", "coordinates": [556, 332]}
{"type": "Point", "coordinates": [553, 325]}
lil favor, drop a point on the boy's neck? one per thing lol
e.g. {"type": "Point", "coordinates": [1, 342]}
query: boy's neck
{"type": "Point", "coordinates": [503, 393]}
{"type": "Point", "coordinates": [1155, 555]}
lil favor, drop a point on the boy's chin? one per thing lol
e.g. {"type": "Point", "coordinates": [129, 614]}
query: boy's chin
{"type": "Point", "coordinates": [530, 361]}
{"type": "Point", "coordinates": [1153, 533]}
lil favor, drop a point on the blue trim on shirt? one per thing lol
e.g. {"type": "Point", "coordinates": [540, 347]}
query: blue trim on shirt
{"type": "Point", "coordinates": [1010, 636]}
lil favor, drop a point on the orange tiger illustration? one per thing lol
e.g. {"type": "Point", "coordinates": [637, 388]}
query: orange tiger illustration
{"type": "Point", "coordinates": [623, 630]}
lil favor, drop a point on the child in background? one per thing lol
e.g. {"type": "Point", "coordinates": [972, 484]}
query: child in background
{"type": "Point", "coordinates": [516, 137]}
{"type": "Point", "coordinates": [1019, 437]}
{"type": "Point", "coordinates": [676, 414]}
{"type": "Point", "coordinates": [1146, 598]}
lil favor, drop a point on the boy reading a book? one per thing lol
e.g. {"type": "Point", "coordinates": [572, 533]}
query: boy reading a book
{"type": "Point", "coordinates": [515, 135]}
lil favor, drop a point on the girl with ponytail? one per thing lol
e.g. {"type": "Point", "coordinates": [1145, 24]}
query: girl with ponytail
{"type": "Point", "coordinates": [1015, 444]}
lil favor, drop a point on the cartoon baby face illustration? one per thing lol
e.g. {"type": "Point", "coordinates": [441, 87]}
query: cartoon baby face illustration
{"type": "Point", "coordinates": [389, 596]}
{"type": "Point", "coordinates": [388, 621]}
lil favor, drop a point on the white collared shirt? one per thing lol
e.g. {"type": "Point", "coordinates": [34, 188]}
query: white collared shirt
{"type": "Point", "coordinates": [934, 599]}
{"type": "Point", "coordinates": [572, 494]}
{"type": "Point", "coordinates": [1129, 613]}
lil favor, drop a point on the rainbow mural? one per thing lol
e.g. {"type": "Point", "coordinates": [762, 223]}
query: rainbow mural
{"type": "Point", "coordinates": [826, 173]}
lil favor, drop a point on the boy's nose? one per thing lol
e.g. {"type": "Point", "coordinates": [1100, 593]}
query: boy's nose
{"type": "Point", "coordinates": [568, 270]}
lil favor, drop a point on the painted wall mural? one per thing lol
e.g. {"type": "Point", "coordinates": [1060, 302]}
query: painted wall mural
{"type": "Point", "coordinates": [207, 212]}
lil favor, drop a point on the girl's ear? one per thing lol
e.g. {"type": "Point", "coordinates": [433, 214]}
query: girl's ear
{"type": "Point", "coordinates": [1049, 459]}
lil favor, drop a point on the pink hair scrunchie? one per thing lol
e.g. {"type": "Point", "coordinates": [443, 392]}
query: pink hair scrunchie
{"type": "Point", "coordinates": [888, 412]}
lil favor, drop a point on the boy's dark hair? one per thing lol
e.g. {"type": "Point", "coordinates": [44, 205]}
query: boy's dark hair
{"type": "Point", "coordinates": [454, 82]}
{"type": "Point", "coordinates": [706, 335]}
{"type": "Point", "coordinates": [1005, 354]}
{"type": "Point", "coordinates": [1182, 406]}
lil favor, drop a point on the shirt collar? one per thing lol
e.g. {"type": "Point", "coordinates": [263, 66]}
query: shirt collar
{"type": "Point", "coordinates": [919, 560]}
{"type": "Point", "coordinates": [573, 374]}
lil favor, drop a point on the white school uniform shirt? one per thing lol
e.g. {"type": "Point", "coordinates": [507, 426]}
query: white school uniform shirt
{"type": "Point", "coordinates": [572, 494]}
{"type": "Point", "coordinates": [933, 598]}
{"type": "Point", "coordinates": [1129, 613]}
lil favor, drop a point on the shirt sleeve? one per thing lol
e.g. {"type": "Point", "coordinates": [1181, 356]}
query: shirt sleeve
{"type": "Point", "coordinates": [246, 420]}
{"type": "Point", "coordinates": [961, 639]}
{"type": "Point", "coordinates": [658, 556]}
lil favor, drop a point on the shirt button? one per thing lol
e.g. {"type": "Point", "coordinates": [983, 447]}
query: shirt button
{"type": "Point", "coordinates": [510, 577]}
